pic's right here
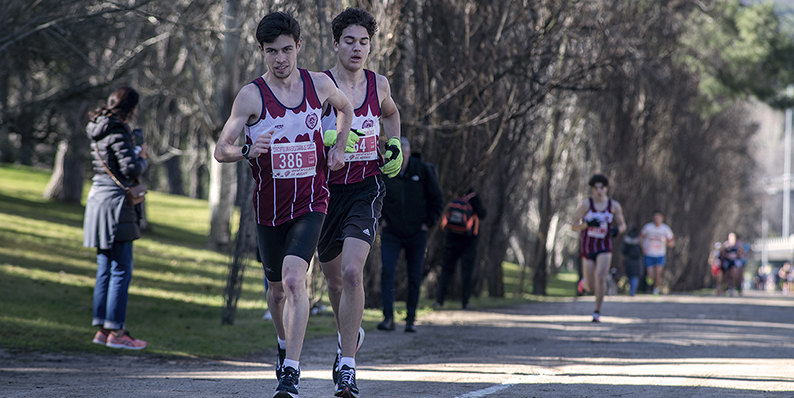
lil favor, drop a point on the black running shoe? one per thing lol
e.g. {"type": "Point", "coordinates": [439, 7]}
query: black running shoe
{"type": "Point", "coordinates": [282, 354]}
{"type": "Point", "coordinates": [288, 383]}
{"type": "Point", "coordinates": [335, 369]}
{"type": "Point", "coordinates": [346, 386]}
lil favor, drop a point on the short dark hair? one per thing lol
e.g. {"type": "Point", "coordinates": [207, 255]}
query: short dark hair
{"type": "Point", "coordinates": [276, 24]}
{"type": "Point", "coordinates": [657, 211]}
{"type": "Point", "coordinates": [353, 16]}
{"type": "Point", "coordinates": [121, 103]}
{"type": "Point", "coordinates": [598, 178]}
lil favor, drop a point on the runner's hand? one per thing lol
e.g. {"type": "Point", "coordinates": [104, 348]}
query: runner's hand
{"type": "Point", "coordinates": [393, 157]}
{"type": "Point", "coordinates": [614, 232]}
{"type": "Point", "coordinates": [593, 223]}
{"type": "Point", "coordinates": [329, 139]}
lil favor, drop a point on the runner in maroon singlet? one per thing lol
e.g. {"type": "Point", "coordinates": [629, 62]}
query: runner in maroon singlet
{"type": "Point", "coordinates": [357, 189]}
{"type": "Point", "coordinates": [280, 114]}
{"type": "Point", "coordinates": [599, 219]}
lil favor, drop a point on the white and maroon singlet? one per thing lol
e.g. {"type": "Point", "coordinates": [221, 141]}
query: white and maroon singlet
{"type": "Point", "coordinates": [597, 239]}
{"type": "Point", "coordinates": [291, 177]}
{"type": "Point", "coordinates": [366, 161]}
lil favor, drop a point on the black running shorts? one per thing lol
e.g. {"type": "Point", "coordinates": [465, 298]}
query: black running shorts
{"type": "Point", "coordinates": [353, 212]}
{"type": "Point", "coordinates": [296, 237]}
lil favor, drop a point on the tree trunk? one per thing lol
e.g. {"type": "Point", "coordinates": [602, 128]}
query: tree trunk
{"type": "Point", "coordinates": [244, 254]}
{"type": "Point", "coordinates": [66, 182]}
{"type": "Point", "coordinates": [223, 184]}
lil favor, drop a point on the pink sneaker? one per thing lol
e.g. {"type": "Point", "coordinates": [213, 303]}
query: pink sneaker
{"type": "Point", "coordinates": [580, 286]}
{"type": "Point", "coordinates": [125, 341]}
{"type": "Point", "coordinates": [100, 338]}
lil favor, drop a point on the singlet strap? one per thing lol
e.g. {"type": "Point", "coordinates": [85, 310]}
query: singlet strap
{"type": "Point", "coordinates": [260, 84]}
{"type": "Point", "coordinates": [592, 205]}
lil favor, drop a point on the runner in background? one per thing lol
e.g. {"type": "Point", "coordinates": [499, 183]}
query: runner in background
{"type": "Point", "coordinates": [656, 237]}
{"type": "Point", "coordinates": [599, 219]}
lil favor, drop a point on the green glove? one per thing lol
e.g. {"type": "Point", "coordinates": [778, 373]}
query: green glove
{"type": "Point", "coordinates": [393, 157]}
{"type": "Point", "coordinates": [329, 139]}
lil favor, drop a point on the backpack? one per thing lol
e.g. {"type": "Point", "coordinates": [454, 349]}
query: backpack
{"type": "Point", "coordinates": [460, 217]}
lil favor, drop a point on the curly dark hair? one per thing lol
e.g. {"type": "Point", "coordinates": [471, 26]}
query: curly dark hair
{"type": "Point", "coordinates": [598, 178]}
{"type": "Point", "coordinates": [353, 16]}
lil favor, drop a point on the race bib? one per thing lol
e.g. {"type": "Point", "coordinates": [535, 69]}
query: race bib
{"type": "Point", "coordinates": [293, 160]}
{"type": "Point", "coordinates": [366, 147]}
{"type": "Point", "coordinates": [656, 245]}
{"type": "Point", "coordinates": [597, 232]}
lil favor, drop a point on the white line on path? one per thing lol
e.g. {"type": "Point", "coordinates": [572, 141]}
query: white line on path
{"type": "Point", "coordinates": [489, 390]}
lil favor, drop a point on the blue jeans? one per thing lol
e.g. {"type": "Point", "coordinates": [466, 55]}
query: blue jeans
{"type": "Point", "coordinates": [113, 274]}
{"type": "Point", "coordinates": [634, 281]}
{"type": "Point", "coordinates": [390, 247]}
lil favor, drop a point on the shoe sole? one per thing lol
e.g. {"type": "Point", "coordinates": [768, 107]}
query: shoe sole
{"type": "Point", "coordinates": [285, 394]}
{"type": "Point", "coordinates": [100, 342]}
{"type": "Point", "coordinates": [122, 346]}
{"type": "Point", "coordinates": [346, 394]}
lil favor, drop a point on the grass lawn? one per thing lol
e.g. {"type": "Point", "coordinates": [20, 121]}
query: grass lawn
{"type": "Point", "coordinates": [47, 279]}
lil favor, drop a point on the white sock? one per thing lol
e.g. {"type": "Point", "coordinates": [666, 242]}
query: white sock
{"type": "Point", "coordinates": [350, 362]}
{"type": "Point", "coordinates": [293, 364]}
{"type": "Point", "coordinates": [282, 343]}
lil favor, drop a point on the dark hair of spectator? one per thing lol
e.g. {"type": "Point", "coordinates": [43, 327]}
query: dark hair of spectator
{"type": "Point", "coordinates": [121, 104]}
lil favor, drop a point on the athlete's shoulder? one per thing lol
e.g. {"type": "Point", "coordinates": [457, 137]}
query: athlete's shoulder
{"type": "Point", "coordinates": [249, 99]}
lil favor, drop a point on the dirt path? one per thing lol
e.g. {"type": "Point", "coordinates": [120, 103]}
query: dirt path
{"type": "Point", "coordinates": [668, 346]}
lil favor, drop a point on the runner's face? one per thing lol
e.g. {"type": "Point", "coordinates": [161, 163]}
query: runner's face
{"type": "Point", "coordinates": [658, 219]}
{"type": "Point", "coordinates": [281, 56]}
{"type": "Point", "coordinates": [599, 190]}
{"type": "Point", "coordinates": [353, 47]}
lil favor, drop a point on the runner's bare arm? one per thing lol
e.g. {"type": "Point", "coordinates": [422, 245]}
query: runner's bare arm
{"type": "Point", "coordinates": [578, 224]}
{"type": "Point", "coordinates": [328, 92]}
{"type": "Point", "coordinates": [389, 114]}
{"type": "Point", "coordinates": [619, 219]}
{"type": "Point", "coordinates": [246, 107]}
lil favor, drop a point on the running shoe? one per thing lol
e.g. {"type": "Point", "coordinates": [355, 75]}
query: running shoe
{"type": "Point", "coordinates": [346, 386]}
{"type": "Point", "coordinates": [656, 291]}
{"type": "Point", "coordinates": [100, 338]}
{"type": "Point", "coordinates": [596, 317]}
{"type": "Point", "coordinates": [288, 383]}
{"type": "Point", "coordinates": [335, 369]}
{"type": "Point", "coordinates": [125, 341]}
{"type": "Point", "coordinates": [580, 287]}
{"type": "Point", "coordinates": [282, 354]}
{"type": "Point", "coordinates": [268, 316]}
{"type": "Point", "coordinates": [410, 328]}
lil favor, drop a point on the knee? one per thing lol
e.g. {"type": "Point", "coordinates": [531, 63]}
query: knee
{"type": "Point", "coordinates": [276, 294]}
{"type": "Point", "coordinates": [352, 276]}
{"type": "Point", "coordinates": [293, 285]}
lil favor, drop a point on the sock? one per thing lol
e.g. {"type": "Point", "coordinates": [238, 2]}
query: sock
{"type": "Point", "coordinates": [350, 362]}
{"type": "Point", "coordinates": [282, 343]}
{"type": "Point", "coordinates": [339, 343]}
{"type": "Point", "coordinates": [293, 364]}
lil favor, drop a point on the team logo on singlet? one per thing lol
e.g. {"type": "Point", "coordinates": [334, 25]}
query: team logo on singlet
{"type": "Point", "coordinates": [311, 121]}
{"type": "Point", "coordinates": [367, 124]}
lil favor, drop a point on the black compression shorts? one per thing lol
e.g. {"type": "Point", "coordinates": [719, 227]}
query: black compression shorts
{"type": "Point", "coordinates": [353, 212]}
{"type": "Point", "coordinates": [296, 237]}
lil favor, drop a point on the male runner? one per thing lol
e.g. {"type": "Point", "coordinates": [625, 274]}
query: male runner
{"type": "Point", "coordinates": [596, 218]}
{"type": "Point", "coordinates": [656, 237]}
{"type": "Point", "coordinates": [357, 190]}
{"type": "Point", "coordinates": [280, 112]}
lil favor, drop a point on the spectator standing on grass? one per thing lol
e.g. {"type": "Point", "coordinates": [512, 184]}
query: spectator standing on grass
{"type": "Point", "coordinates": [461, 223]}
{"type": "Point", "coordinates": [412, 206]}
{"type": "Point", "coordinates": [111, 222]}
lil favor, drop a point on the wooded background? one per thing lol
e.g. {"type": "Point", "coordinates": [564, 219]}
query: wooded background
{"type": "Point", "coordinates": [524, 100]}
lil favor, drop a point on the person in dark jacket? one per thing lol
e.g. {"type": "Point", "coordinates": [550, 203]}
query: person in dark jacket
{"type": "Point", "coordinates": [111, 223]}
{"type": "Point", "coordinates": [412, 206]}
{"type": "Point", "coordinates": [632, 252]}
{"type": "Point", "coordinates": [461, 244]}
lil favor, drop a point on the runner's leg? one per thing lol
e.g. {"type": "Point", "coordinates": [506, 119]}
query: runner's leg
{"type": "Point", "coordinates": [603, 260]}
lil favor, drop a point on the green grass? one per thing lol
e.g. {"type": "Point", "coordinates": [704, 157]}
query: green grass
{"type": "Point", "coordinates": [47, 279]}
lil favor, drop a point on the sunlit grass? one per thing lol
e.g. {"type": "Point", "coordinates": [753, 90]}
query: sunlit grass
{"type": "Point", "coordinates": [176, 294]}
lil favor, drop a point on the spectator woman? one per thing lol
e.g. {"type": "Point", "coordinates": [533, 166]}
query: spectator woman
{"type": "Point", "coordinates": [111, 222]}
